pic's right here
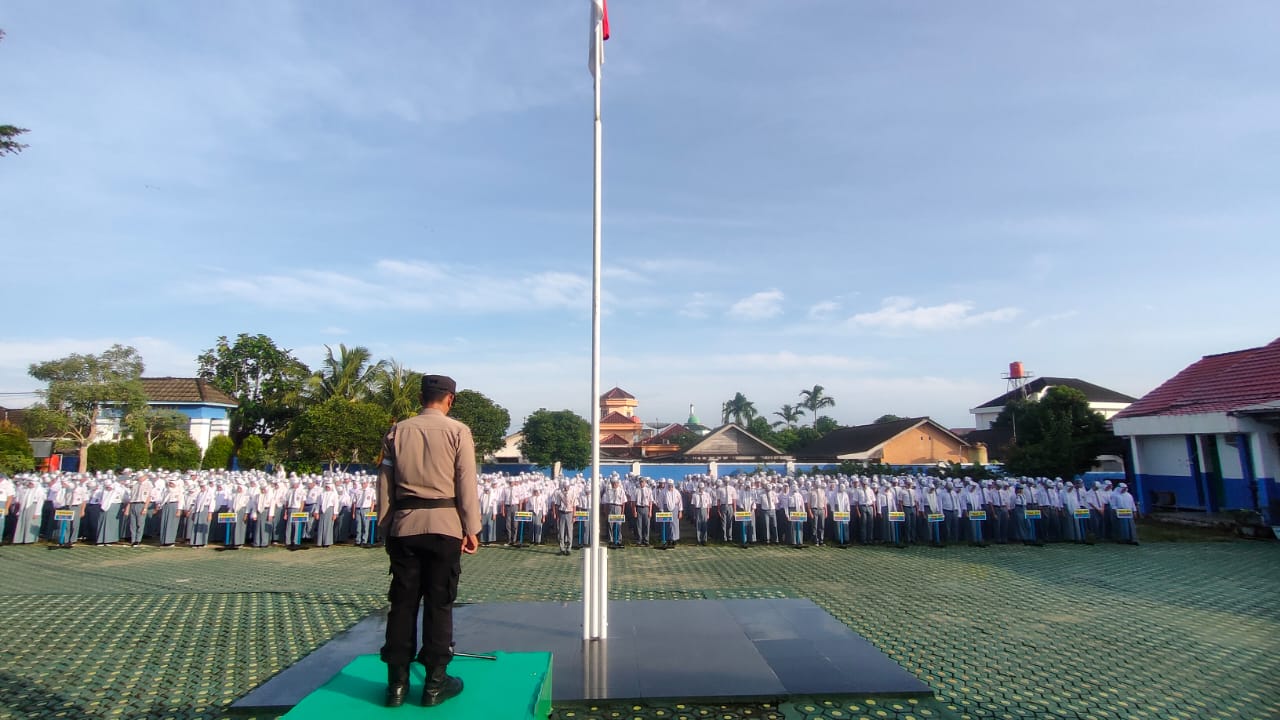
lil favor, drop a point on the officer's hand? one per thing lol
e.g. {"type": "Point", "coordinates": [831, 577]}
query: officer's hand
{"type": "Point", "coordinates": [469, 544]}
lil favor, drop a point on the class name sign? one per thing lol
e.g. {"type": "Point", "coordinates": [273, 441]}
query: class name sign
{"type": "Point", "coordinates": [1124, 513]}
{"type": "Point", "coordinates": [582, 514]}
{"type": "Point", "coordinates": [798, 516]}
{"type": "Point", "coordinates": [298, 515]}
{"type": "Point", "coordinates": [936, 517]}
{"type": "Point", "coordinates": [617, 517]}
{"type": "Point", "coordinates": [524, 516]}
{"type": "Point", "coordinates": [840, 515]}
{"type": "Point", "coordinates": [664, 516]}
{"type": "Point", "coordinates": [226, 517]}
{"type": "Point", "coordinates": [64, 514]}
{"type": "Point", "coordinates": [1031, 514]}
{"type": "Point", "coordinates": [1082, 512]}
{"type": "Point", "coordinates": [897, 516]}
{"type": "Point", "coordinates": [371, 515]}
{"type": "Point", "coordinates": [977, 514]}
{"type": "Point", "coordinates": [742, 514]}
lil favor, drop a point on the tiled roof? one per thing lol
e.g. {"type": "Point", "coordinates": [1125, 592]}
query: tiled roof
{"type": "Point", "coordinates": [1216, 383]}
{"type": "Point", "coordinates": [617, 394]}
{"type": "Point", "coordinates": [843, 441]}
{"type": "Point", "coordinates": [862, 438]}
{"type": "Point", "coordinates": [616, 418]}
{"type": "Point", "coordinates": [184, 390]}
{"type": "Point", "coordinates": [1093, 393]}
{"type": "Point", "coordinates": [669, 433]}
{"type": "Point", "coordinates": [614, 439]}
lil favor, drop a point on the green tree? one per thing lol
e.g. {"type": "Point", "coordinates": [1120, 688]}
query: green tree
{"type": "Point", "coordinates": [824, 425]}
{"type": "Point", "coordinates": [760, 427]}
{"type": "Point", "coordinates": [1058, 435]}
{"type": "Point", "coordinates": [133, 452]}
{"type": "Point", "coordinates": [398, 390]}
{"type": "Point", "coordinates": [265, 380]}
{"type": "Point", "coordinates": [788, 439]}
{"type": "Point", "coordinates": [814, 400]}
{"type": "Point", "coordinates": [252, 453]}
{"type": "Point", "coordinates": [488, 420]}
{"type": "Point", "coordinates": [8, 145]}
{"type": "Point", "coordinates": [557, 435]}
{"type": "Point", "coordinates": [887, 418]}
{"type": "Point", "coordinates": [339, 432]}
{"type": "Point", "coordinates": [15, 451]}
{"type": "Point", "coordinates": [149, 423]}
{"type": "Point", "coordinates": [218, 455]}
{"type": "Point", "coordinates": [790, 415]}
{"type": "Point", "coordinates": [83, 387]}
{"type": "Point", "coordinates": [175, 450]}
{"type": "Point", "coordinates": [740, 410]}
{"type": "Point", "coordinates": [349, 375]}
{"type": "Point", "coordinates": [103, 456]}
{"type": "Point", "coordinates": [8, 133]}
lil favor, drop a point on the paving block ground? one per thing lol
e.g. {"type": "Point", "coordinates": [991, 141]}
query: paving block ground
{"type": "Point", "coordinates": [1188, 630]}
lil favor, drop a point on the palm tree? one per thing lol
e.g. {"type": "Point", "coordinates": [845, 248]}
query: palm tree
{"type": "Point", "coordinates": [790, 415]}
{"type": "Point", "coordinates": [740, 409]}
{"type": "Point", "coordinates": [350, 375]}
{"type": "Point", "coordinates": [398, 390]}
{"type": "Point", "coordinates": [814, 401]}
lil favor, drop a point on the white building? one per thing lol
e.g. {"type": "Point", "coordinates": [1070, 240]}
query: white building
{"type": "Point", "coordinates": [1107, 402]}
{"type": "Point", "coordinates": [1207, 438]}
{"type": "Point", "coordinates": [206, 406]}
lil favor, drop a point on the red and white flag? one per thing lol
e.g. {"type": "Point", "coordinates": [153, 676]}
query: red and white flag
{"type": "Point", "coordinates": [599, 33]}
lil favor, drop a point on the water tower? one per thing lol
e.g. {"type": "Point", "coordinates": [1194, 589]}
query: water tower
{"type": "Point", "coordinates": [1017, 378]}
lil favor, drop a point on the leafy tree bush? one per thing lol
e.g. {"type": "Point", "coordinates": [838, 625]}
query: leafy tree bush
{"type": "Point", "coordinates": [557, 435]}
{"type": "Point", "coordinates": [339, 432]}
{"type": "Point", "coordinates": [103, 456]}
{"type": "Point", "coordinates": [15, 451]}
{"type": "Point", "coordinates": [1056, 436]}
{"type": "Point", "coordinates": [252, 453]}
{"type": "Point", "coordinates": [218, 455]}
{"type": "Point", "coordinates": [133, 453]}
{"type": "Point", "coordinates": [488, 420]}
{"type": "Point", "coordinates": [175, 450]}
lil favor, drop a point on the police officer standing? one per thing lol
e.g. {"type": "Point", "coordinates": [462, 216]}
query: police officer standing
{"type": "Point", "coordinates": [429, 513]}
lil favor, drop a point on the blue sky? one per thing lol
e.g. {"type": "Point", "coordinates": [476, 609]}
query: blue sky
{"type": "Point", "coordinates": [889, 199]}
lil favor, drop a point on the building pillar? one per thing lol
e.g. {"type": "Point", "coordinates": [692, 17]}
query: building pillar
{"type": "Point", "coordinates": [1253, 462]}
{"type": "Point", "coordinates": [1137, 475]}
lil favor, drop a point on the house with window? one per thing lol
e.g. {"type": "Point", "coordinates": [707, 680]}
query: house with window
{"type": "Point", "coordinates": [909, 441]}
{"type": "Point", "coordinates": [1103, 400]}
{"type": "Point", "coordinates": [206, 407]}
{"type": "Point", "coordinates": [1208, 437]}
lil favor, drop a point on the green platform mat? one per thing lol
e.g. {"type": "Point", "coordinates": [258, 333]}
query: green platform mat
{"type": "Point", "coordinates": [516, 685]}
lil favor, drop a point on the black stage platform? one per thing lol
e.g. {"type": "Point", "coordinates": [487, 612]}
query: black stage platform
{"type": "Point", "coordinates": [657, 649]}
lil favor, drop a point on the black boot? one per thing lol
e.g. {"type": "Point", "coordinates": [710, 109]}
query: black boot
{"type": "Point", "coordinates": [397, 684]}
{"type": "Point", "coordinates": [440, 686]}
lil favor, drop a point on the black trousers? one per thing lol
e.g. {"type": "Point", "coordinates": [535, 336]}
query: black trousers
{"type": "Point", "coordinates": [424, 571]}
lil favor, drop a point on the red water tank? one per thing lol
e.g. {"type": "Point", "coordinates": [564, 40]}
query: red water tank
{"type": "Point", "coordinates": [1015, 370]}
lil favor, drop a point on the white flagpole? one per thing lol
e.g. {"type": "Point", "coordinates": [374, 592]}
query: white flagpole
{"type": "Point", "coordinates": [595, 575]}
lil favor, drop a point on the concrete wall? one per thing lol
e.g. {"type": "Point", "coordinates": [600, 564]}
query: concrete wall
{"type": "Point", "coordinates": [923, 445]}
{"type": "Point", "coordinates": [1244, 448]}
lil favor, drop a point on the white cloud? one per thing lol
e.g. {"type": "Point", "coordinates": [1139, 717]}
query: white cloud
{"type": "Point", "coordinates": [903, 313]}
{"type": "Point", "coordinates": [697, 307]}
{"type": "Point", "coordinates": [399, 284]}
{"type": "Point", "coordinates": [758, 306]}
{"type": "Point", "coordinates": [1055, 317]}
{"type": "Point", "coordinates": [823, 309]}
